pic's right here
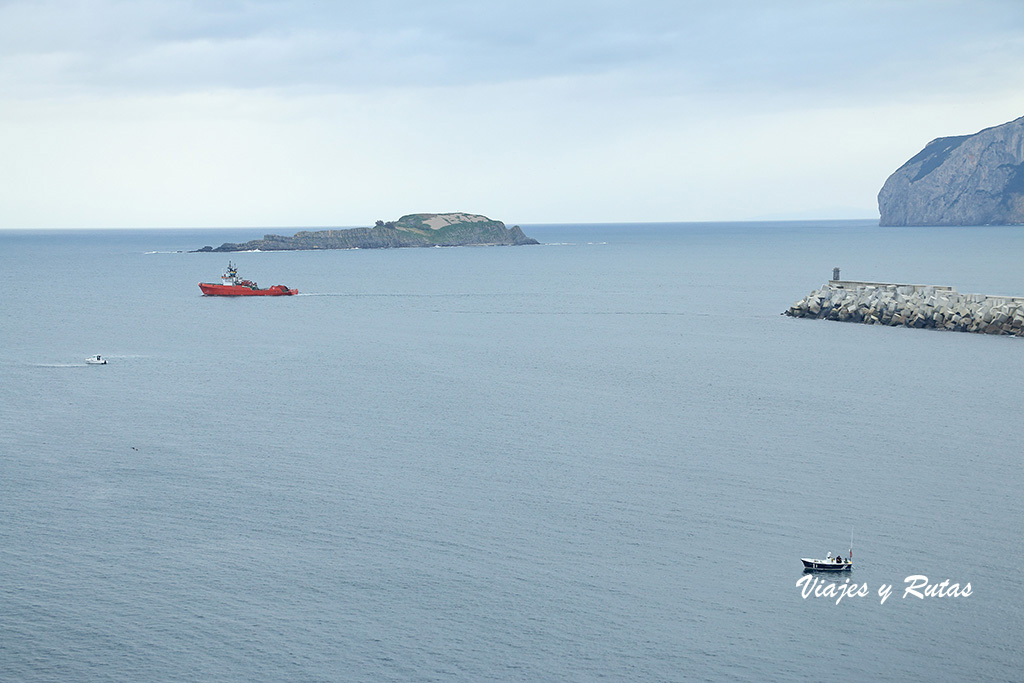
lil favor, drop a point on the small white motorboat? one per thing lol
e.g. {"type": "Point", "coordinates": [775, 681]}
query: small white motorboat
{"type": "Point", "coordinates": [96, 360]}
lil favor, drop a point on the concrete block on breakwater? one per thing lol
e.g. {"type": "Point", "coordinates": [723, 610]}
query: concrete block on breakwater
{"type": "Point", "coordinates": [924, 306]}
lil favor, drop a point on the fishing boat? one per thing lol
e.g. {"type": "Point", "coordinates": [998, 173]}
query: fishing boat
{"type": "Point", "coordinates": [829, 564]}
{"type": "Point", "coordinates": [96, 360]}
{"type": "Point", "coordinates": [232, 285]}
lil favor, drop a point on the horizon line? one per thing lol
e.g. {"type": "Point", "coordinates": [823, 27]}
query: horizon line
{"type": "Point", "coordinates": [348, 227]}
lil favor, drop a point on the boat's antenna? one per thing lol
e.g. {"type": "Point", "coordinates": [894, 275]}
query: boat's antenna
{"type": "Point", "coordinates": [851, 545]}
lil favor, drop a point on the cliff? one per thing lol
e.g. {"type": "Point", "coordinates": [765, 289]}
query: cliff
{"type": "Point", "coordinates": [414, 230]}
{"type": "Point", "coordinates": [965, 180]}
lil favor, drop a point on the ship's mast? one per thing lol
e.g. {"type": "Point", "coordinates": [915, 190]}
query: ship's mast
{"type": "Point", "coordinates": [231, 276]}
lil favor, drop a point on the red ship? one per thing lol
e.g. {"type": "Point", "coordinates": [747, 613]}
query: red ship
{"type": "Point", "coordinates": [233, 286]}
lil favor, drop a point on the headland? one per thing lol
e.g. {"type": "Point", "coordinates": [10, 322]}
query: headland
{"type": "Point", "coordinates": [961, 180]}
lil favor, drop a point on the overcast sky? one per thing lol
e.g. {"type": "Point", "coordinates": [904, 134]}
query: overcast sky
{"type": "Point", "coordinates": [292, 113]}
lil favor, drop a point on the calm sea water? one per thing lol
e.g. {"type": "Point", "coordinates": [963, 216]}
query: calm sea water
{"type": "Point", "coordinates": [598, 458]}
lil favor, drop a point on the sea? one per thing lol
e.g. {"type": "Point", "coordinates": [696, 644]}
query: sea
{"type": "Point", "coordinates": [599, 458]}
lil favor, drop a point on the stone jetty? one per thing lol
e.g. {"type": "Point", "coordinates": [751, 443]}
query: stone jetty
{"type": "Point", "coordinates": [927, 306]}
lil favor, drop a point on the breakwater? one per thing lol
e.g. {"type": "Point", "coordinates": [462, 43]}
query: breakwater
{"type": "Point", "coordinates": [924, 306]}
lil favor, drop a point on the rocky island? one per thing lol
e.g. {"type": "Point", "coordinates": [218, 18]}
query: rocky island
{"type": "Point", "coordinates": [414, 230]}
{"type": "Point", "coordinates": [963, 180]}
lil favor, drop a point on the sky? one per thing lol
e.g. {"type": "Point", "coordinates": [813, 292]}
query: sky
{"type": "Point", "coordinates": [304, 113]}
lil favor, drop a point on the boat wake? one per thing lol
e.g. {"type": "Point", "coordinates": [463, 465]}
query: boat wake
{"type": "Point", "coordinates": [572, 244]}
{"type": "Point", "coordinates": [83, 364]}
{"type": "Point", "coordinates": [400, 295]}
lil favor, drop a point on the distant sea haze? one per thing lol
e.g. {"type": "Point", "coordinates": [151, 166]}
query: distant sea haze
{"type": "Point", "coordinates": [600, 457]}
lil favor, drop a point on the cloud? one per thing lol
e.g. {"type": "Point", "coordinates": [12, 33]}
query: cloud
{"type": "Point", "coordinates": [266, 112]}
{"type": "Point", "coordinates": [670, 47]}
